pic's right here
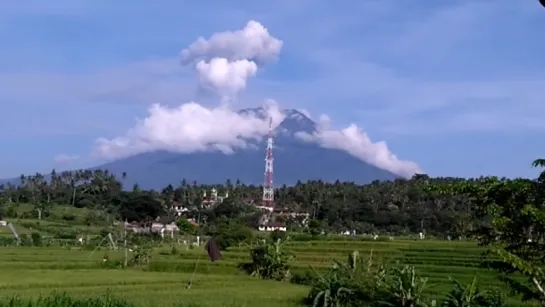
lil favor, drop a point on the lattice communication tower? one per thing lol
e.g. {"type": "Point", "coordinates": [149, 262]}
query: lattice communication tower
{"type": "Point", "coordinates": [268, 190]}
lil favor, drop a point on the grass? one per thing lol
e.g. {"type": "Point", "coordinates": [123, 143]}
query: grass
{"type": "Point", "coordinates": [33, 272]}
{"type": "Point", "coordinates": [30, 273]}
{"type": "Point", "coordinates": [58, 210]}
{"type": "Point", "coordinates": [156, 289]}
{"type": "Point", "coordinates": [56, 225]}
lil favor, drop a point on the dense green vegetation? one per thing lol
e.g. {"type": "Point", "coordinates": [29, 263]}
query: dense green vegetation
{"type": "Point", "coordinates": [400, 207]}
{"type": "Point", "coordinates": [495, 227]}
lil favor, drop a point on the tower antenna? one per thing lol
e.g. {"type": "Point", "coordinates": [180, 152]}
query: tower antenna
{"type": "Point", "coordinates": [267, 201]}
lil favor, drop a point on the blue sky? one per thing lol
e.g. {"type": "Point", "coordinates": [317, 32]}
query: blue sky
{"type": "Point", "coordinates": [455, 86]}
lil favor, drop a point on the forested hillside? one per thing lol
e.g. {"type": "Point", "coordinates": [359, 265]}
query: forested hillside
{"type": "Point", "coordinates": [395, 207]}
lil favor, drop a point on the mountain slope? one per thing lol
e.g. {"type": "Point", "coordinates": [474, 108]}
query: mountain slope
{"type": "Point", "coordinates": [292, 163]}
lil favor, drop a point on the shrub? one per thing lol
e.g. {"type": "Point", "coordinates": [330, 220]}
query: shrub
{"type": "Point", "coordinates": [66, 235]}
{"type": "Point", "coordinates": [92, 218]}
{"type": "Point", "coordinates": [36, 239]}
{"type": "Point", "coordinates": [233, 234]}
{"type": "Point", "coordinates": [278, 235]}
{"type": "Point", "coordinates": [303, 278]}
{"type": "Point", "coordinates": [185, 226]}
{"type": "Point", "coordinates": [8, 241]}
{"type": "Point", "coordinates": [406, 288]}
{"type": "Point", "coordinates": [346, 284]}
{"type": "Point", "coordinates": [269, 261]}
{"type": "Point", "coordinates": [63, 300]}
{"type": "Point", "coordinates": [32, 214]}
{"type": "Point", "coordinates": [69, 217]}
{"type": "Point", "coordinates": [11, 212]}
{"type": "Point", "coordinates": [302, 237]}
{"type": "Point", "coordinates": [472, 295]}
{"type": "Point", "coordinates": [362, 282]}
{"type": "Point", "coordinates": [25, 240]}
{"type": "Point", "coordinates": [104, 232]}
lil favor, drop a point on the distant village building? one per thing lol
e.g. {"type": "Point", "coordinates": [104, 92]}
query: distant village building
{"type": "Point", "coordinates": [287, 214]}
{"type": "Point", "coordinates": [214, 198]}
{"type": "Point", "coordinates": [273, 226]}
{"type": "Point", "coordinates": [277, 219]}
{"type": "Point", "coordinates": [155, 227]}
{"type": "Point", "coordinates": [206, 202]}
{"type": "Point", "coordinates": [179, 209]}
{"type": "Point", "coordinates": [267, 223]}
{"type": "Point", "coordinates": [266, 208]}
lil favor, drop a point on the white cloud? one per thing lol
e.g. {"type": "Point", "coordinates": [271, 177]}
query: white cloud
{"type": "Point", "coordinates": [252, 43]}
{"type": "Point", "coordinates": [64, 158]}
{"type": "Point", "coordinates": [324, 121]}
{"type": "Point", "coordinates": [225, 77]}
{"type": "Point", "coordinates": [188, 128]}
{"type": "Point", "coordinates": [226, 60]}
{"type": "Point", "coordinates": [357, 143]}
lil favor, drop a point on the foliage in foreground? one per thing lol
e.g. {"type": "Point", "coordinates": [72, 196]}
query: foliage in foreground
{"type": "Point", "coordinates": [471, 295]}
{"type": "Point", "coordinates": [63, 300]}
{"type": "Point", "coordinates": [360, 282]}
{"type": "Point", "coordinates": [269, 260]}
{"type": "Point", "coordinates": [513, 229]}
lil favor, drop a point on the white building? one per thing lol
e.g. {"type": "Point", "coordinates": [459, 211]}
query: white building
{"type": "Point", "coordinates": [206, 202]}
{"type": "Point", "coordinates": [273, 226]}
{"type": "Point", "coordinates": [163, 229]}
{"type": "Point", "coordinates": [179, 210]}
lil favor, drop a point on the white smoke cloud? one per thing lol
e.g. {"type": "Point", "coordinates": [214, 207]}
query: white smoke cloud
{"type": "Point", "coordinates": [225, 77]}
{"type": "Point", "coordinates": [188, 128]}
{"type": "Point", "coordinates": [357, 143]}
{"type": "Point", "coordinates": [251, 43]}
{"type": "Point", "coordinates": [225, 61]}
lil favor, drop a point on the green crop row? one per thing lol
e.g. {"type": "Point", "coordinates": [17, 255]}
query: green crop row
{"type": "Point", "coordinates": [31, 272]}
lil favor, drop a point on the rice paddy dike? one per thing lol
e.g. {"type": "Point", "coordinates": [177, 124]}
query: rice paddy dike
{"type": "Point", "coordinates": [32, 272]}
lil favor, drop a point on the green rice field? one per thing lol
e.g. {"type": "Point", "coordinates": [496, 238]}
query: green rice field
{"type": "Point", "coordinates": [31, 272]}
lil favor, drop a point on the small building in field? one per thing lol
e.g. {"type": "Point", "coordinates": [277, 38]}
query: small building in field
{"type": "Point", "coordinates": [213, 199]}
{"type": "Point", "coordinates": [179, 209]}
{"type": "Point", "coordinates": [134, 227]}
{"type": "Point", "coordinates": [207, 201]}
{"type": "Point", "coordinates": [273, 226]}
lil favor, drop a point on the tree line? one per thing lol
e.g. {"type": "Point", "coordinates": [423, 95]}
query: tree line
{"type": "Point", "coordinates": [399, 207]}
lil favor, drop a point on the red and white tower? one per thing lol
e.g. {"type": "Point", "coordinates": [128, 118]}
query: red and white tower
{"type": "Point", "coordinates": [268, 191]}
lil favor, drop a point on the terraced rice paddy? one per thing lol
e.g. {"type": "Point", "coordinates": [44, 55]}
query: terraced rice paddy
{"type": "Point", "coordinates": [31, 272]}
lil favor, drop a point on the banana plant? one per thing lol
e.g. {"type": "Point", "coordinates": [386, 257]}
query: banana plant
{"type": "Point", "coordinates": [407, 288]}
{"type": "Point", "coordinates": [356, 282]}
{"type": "Point", "coordinates": [271, 261]}
{"type": "Point", "coordinates": [472, 296]}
